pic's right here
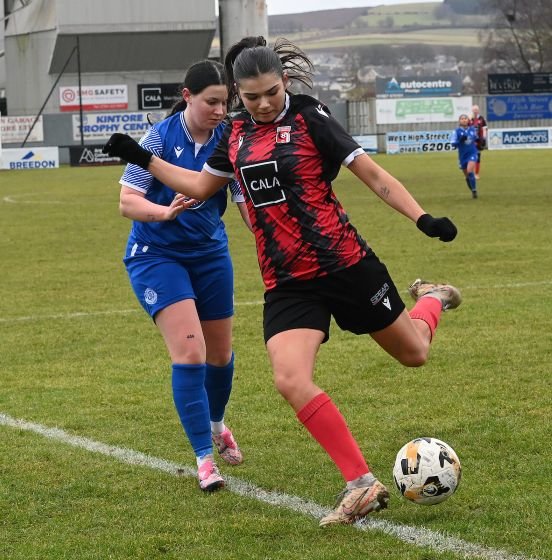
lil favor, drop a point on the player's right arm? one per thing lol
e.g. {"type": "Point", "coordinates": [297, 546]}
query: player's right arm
{"type": "Point", "coordinates": [458, 137]}
{"type": "Point", "coordinates": [198, 185]}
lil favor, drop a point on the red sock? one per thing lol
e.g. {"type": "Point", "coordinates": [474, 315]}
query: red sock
{"type": "Point", "coordinates": [328, 427]}
{"type": "Point", "coordinates": [427, 309]}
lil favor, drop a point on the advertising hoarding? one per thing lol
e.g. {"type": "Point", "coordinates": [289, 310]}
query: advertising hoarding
{"type": "Point", "coordinates": [419, 86]}
{"type": "Point", "coordinates": [518, 107]}
{"type": "Point", "coordinates": [94, 98]}
{"type": "Point", "coordinates": [540, 82]}
{"type": "Point", "coordinates": [15, 129]}
{"type": "Point", "coordinates": [519, 138]}
{"type": "Point", "coordinates": [418, 141]}
{"type": "Point", "coordinates": [422, 110]}
{"type": "Point", "coordinates": [30, 158]}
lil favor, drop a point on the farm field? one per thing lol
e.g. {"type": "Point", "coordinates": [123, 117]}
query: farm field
{"type": "Point", "coordinates": [440, 36]}
{"type": "Point", "coordinates": [94, 464]}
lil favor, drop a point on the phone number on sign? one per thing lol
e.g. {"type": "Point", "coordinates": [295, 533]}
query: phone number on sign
{"type": "Point", "coordinates": [420, 147]}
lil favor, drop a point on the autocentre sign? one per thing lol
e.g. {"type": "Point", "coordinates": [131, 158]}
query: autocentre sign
{"type": "Point", "coordinates": [94, 98]}
{"type": "Point", "coordinates": [444, 85]}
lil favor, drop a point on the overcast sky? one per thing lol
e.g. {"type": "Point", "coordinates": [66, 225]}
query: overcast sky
{"type": "Point", "coordinates": [275, 7]}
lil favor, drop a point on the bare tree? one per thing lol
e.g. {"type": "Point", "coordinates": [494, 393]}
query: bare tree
{"type": "Point", "coordinates": [520, 38]}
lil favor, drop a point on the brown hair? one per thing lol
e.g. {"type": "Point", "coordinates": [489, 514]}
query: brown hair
{"type": "Point", "coordinates": [251, 57]}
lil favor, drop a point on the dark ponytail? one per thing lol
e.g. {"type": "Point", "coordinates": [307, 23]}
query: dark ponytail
{"type": "Point", "coordinates": [250, 58]}
{"type": "Point", "coordinates": [199, 76]}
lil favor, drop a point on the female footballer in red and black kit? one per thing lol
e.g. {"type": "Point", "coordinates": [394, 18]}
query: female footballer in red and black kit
{"type": "Point", "coordinates": [480, 124]}
{"type": "Point", "coordinates": [286, 150]}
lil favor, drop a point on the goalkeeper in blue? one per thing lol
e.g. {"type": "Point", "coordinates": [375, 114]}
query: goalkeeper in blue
{"type": "Point", "coordinates": [465, 138]}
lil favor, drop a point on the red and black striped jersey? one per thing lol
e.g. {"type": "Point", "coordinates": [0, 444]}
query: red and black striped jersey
{"type": "Point", "coordinates": [286, 169]}
{"type": "Point", "coordinates": [479, 123]}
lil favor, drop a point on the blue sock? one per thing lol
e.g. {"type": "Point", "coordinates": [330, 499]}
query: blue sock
{"type": "Point", "coordinates": [218, 383]}
{"type": "Point", "coordinates": [192, 405]}
{"type": "Point", "coordinates": [471, 181]}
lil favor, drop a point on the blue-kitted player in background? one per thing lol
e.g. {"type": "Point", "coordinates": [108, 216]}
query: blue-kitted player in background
{"type": "Point", "coordinates": [464, 138]}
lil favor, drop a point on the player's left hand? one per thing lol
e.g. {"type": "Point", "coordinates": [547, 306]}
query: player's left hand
{"type": "Point", "coordinates": [179, 203]}
{"type": "Point", "coordinates": [442, 228]}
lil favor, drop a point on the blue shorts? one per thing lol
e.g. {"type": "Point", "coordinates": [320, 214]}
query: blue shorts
{"type": "Point", "coordinates": [463, 163]}
{"type": "Point", "coordinates": [161, 279]}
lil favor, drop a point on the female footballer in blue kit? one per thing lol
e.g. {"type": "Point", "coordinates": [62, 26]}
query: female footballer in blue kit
{"type": "Point", "coordinates": [465, 139]}
{"type": "Point", "coordinates": [179, 265]}
{"type": "Point", "coordinates": [286, 150]}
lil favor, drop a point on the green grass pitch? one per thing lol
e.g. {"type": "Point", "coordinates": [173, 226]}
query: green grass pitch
{"type": "Point", "coordinates": [78, 354]}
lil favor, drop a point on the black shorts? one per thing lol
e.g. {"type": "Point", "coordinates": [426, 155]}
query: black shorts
{"type": "Point", "coordinates": [362, 299]}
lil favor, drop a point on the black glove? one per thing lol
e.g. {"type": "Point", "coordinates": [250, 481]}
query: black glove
{"type": "Point", "coordinates": [124, 147]}
{"type": "Point", "coordinates": [442, 228]}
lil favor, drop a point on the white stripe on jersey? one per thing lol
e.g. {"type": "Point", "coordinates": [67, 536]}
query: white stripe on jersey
{"type": "Point", "coordinates": [218, 173]}
{"type": "Point", "coordinates": [235, 190]}
{"type": "Point", "coordinates": [134, 176]}
{"type": "Point", "coordinates": [347, 161]}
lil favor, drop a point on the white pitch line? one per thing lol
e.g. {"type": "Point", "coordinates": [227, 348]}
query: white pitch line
{"type": "Point", "coordinates": [12, 199]}
{"type": "Point", "coordinates": [75, 315]}
{"type": "Point", "coordinates": [417, 536]}
{"type": "Point", "coordinates": [79, 314]}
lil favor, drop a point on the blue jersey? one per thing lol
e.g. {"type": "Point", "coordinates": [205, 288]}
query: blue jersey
{"type": "Point", "coordinates": [197, 230]}
{"type": "Point", "coordinates": [465, 139]}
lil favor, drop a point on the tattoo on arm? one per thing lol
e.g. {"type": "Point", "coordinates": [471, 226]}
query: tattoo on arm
{"type": "Point", "coordinates": [385, 192]}
{"type": "Point", "coordinates": [151, 218]}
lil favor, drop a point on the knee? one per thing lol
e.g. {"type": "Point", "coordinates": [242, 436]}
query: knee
{"type": "Point", "coordinates": [284, 386]}
{"type": "Point", "coordinates": [219, 358]}
{"type": "Point", "coordinates": [414, 358]}
{"type": "Point", "coordinates": [288, 385]}
{"type": "Point", "coordinates": [188, 354]}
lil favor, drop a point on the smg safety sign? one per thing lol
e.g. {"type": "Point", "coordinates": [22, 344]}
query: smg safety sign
{"type": "Point", "coordinates": [94, 98]}
{"type": "Point", "coordinates": [444, 85]}
{"type": "Point", "coordinates": [158, 96]}
{"type": "Point", "coordinates": [519, 138]}
{"type": "Point", "coordinates": [418, 141]}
